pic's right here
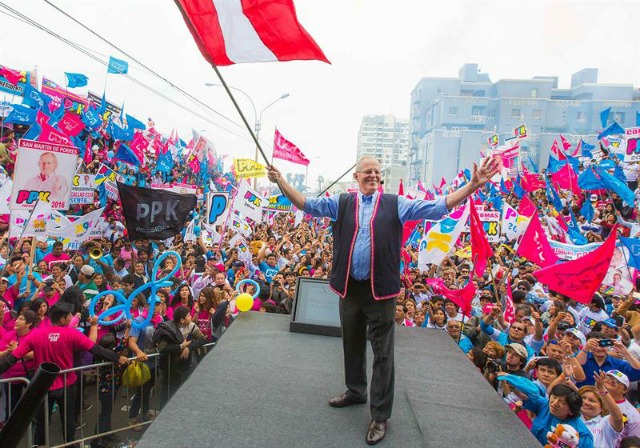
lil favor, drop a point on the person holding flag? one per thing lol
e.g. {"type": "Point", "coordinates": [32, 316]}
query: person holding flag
{"type": "Point", "coordinates": [367, 241]}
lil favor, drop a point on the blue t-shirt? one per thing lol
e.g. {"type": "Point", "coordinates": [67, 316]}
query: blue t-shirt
{"type": "Point", "coordinates": [268, 271]}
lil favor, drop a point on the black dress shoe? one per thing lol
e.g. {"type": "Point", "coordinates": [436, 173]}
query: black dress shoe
{"type": "Point", "coordinates": [344, 400]}
{"type": "Point", "coordinates": [376, 432]}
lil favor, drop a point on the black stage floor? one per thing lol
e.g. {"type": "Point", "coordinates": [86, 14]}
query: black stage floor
{"type": "Point", "coordinates": [263, 386]}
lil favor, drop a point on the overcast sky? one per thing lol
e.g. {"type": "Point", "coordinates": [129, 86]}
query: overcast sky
{"type": "Point", "coordinates": [379, 51]}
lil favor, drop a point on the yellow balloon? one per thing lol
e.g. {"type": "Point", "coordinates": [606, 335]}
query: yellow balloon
{"type": "Point", "coordinates": [244, 302]}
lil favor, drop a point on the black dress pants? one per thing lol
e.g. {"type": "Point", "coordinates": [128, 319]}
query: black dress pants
{"type": "Point", "coordinates": [360, 312]}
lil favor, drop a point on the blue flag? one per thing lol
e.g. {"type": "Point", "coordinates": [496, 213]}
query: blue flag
{"type": "Point", "coordinates": [575, 163]}
{"type": "Point", "coordinates": [36, 99]}
{"type": "Point", "coordinates": [165, 162]}
{"type": "Point", "coordinates": [633, 245]}
{"type": "Point", "coordinates": [121, 134]}
{"type": "Point", "coordinates": [91, 119]}
{"type": "Point", "coordinates": [496, 201]}
{"type": "Point", "coordinates": [586, 149]}
{"type": "Point", "coordinates": [555, 165]}
{"type": "Point", "coordinates": [134, 123]}
{"type": "Point", "coordinates": [482, 196]}
{"type": "Point", "coordinates": [467, 174]}
{"type": "Point", "coordinates": [553, 197]}
{"type": "Point", "coordinates": [103, 105]}
{"type": "Point", "coordinates": [33, 133]}
{"type": "Point", "coordinates": [621, 188]}
{"type": "Point", "coordinates": [117, 66]}
{"type": "Point", "coordinates": [76, 80]}
{"type": "Point", "coordinates": [574, 231]}
{"type": "Point", "coordinates": [534, 166]}
{"type": "Point", "coordinates": [503, 187]}
{"type": "Point", "coordinates": [125, 154]}
{"type": "Point", "coordinates": [637, 118]}
{"type": "Point", "coordinates": [618, 172]}
{"type": "Point", "coordinates": [587, 210]}
{"type": "Point", "coordinates": [517, 189]}
{"type": "Point", "coordinates": [604, 116]}
{"type": "Point", "coordinates": [614, 129]}
{"type": "Point", "coordinates": [588, 180]}
{"type": "Point", "coordinates": [57, 115]}
{"type": "Point", "coordinates": [21, 115]}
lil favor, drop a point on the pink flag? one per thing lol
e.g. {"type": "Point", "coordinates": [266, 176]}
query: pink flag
{"type": "Point", "coordinates": [139, 145]}
{"type": "Point", "coordinates": [420, 187]}
{"type": "Point", "coordinates": [443, 182]}
{"type": "Point", "coordinates": [51, 135]}
{"type": "Point", "coordinates": [480, 247]}
{"type": "Point", "coordinates": [235, 31]}
{"type": "Point", "coordinates": [532, 182]}
{"type": "Point", "coordinates": [509, 155]}
{"type": "Point", "coordinates": [461, 297]}
{"type": "Point", "coordinates": [534, 245]}
{"type": "Point", "coordinates": [526, 207]}
{"type": "Point", "coordinates": [285, 150]}
{"type": "Point", "coordinates": [566, 178]}
{"type": "Point", "coordinates": [555, 150]}
{"type": "Point", "coordinates": [13, 76]}
{"type": "Point", "coordinates": [88, 152]}
{"type": "Point", "coordinates": [565, 144]}
{"type": "Point", "coordinates": [71, 124]}
{"type": "Point", "coordinates": [509, 310]}
{"type": "Point", "coordinates": [400, 189]}
{"type": "Point", "coordinates": [580, 279]}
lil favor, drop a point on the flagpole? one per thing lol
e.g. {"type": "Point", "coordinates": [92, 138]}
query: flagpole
{"type": "Point", "coordinates": [244, 119]}
{"type": "Point", "coordinates": [337, 180]}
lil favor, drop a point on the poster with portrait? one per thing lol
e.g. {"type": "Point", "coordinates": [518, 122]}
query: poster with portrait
{"type": "Point", "coordinates": [44, 171]}
{"type": "Point", "coordinates": [616, 283]}
{"type": "Point", "coordinates": [82, 189]}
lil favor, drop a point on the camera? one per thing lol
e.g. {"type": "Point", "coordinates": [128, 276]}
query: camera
{"type": "Point", "coordinates": [276, 283]}
{"type": "Point", "coordinates": [605, 343]}
{"type": "Point", "coordinates": [492, 366]}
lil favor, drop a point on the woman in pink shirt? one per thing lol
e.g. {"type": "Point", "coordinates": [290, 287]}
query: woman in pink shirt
{"type": "Point", "coordinates": [204, 309]}
{"type": "Point", "coordinates": [41, 308]}
{"type": "Point", "coordinates": [183, 297]}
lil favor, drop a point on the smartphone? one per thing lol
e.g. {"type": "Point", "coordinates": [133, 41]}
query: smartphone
{"type": "Point", "coordinates": [605, 343]}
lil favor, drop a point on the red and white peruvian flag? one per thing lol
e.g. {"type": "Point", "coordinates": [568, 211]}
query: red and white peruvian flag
{"type": "Point", "coordinates": [234, 31]}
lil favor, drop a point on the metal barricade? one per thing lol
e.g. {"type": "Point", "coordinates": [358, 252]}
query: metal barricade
{"type": "Point", "coordinates": [160, 391]}
{"type": "Point", "coordinates": [8, 385]}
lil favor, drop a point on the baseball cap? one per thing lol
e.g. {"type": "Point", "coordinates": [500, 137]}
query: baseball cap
{"type": "Point", "coordinates": [4, 279]}
{"type": "Point", "coordinates": [611, 323]}
{"type": "Point", "coordinates": [593, 198]}
{"type": "Point", "coordinates": [577, 333]}
{"type": "Point", "coordinates": [621, 377]}
{"type": "Point", "coordinates": [238, 264]}
{"type": "Point", "coordinates": [87, 270]}
{"type": "Point", "coordinates": [519, 349]}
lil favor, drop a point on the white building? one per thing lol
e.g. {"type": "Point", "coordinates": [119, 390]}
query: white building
{"type": "Point", "coordinates": [386, 138]}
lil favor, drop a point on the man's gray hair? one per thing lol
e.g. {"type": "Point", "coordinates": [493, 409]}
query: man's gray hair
{"type": "Point", "coordinates": [363, 159]}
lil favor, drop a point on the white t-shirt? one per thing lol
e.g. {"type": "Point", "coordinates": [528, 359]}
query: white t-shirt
{"type": "Point", "coordinates": [604, 436]}
{"type": "Point", "coordinates": [588, 319]}
{"type": "Point", "coordinates": [632, 427]}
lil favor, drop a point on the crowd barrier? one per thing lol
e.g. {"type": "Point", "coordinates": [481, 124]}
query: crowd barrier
{"type": "Point", "coordinates": [157, 393]}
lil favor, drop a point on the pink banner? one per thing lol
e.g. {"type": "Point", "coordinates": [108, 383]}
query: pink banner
{"type": "Point", "coordinates": [285, 150]}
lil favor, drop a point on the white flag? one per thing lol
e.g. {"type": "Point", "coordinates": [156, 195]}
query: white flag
{"type": "Point", "coordinates": [248, 202]}
{"type": "Point", "coordinates": [441, 238]}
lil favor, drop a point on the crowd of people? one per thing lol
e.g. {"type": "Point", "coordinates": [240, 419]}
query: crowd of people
{"type": "Point", "coordinates": [559, 362]}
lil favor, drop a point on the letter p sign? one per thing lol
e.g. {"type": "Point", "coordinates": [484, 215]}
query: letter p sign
{"type": "Point", "coordinates": [217, 206]}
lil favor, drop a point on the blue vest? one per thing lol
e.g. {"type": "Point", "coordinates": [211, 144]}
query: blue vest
{"type": "Point", "coordinates": [386, 243]}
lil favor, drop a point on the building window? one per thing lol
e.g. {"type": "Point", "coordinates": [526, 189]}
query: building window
{"type": "Point", "coordinates": [619, 117]}
{"type": "Point", "coordinates": [478, 111]}
{"type": "Point", "coordinates": [516, 114]}
{"type": "Point", "coordinates": [581, 117]}
{"type": "Point", "coordinates": [534, 93]}
{"type": "Point", "coordinates": [491, 113]}
{"type": "Point", "coordinates": [536, 114]}
{"type": "Point", "coordinates": [453, 112]}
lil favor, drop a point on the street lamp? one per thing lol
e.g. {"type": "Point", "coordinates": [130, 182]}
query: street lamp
{"type": "Point", "coordinates": [257, 119]}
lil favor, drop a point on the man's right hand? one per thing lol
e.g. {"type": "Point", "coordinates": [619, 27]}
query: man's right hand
{"type": "Point", "coordinates": [273, 173]}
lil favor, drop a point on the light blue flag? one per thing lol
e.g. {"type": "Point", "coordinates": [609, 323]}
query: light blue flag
{"type": "Point", "coordinates": [134, 123]}
{"type": "Point", "coordinates": [76, 80]}
{"type": "Point", "coordinates": [633, 245]}
{"type": "Point", "coordinates": [614, 129]}
{"type": "Point", "coordinates": [604, 116]}
{"type": "Point", "coordinates": [587, 210]}
{"type": "Point", "coordinates": [621, 188]}
{"type": "Point", "coordinates": [117, 66]}
{"type": "Point", "coordinates": [34, 98]}
{"type": "Point", "coordinates": [21, 115]}
{"type": "Point", "coordinates": [33, 133]}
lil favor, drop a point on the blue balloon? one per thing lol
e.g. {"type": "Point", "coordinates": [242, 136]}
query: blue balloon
{"type": "Point", "coordinates": [110, 154]}
{"type": "Point", "coordinates": [123, 307]}
{"type": "Point", "coordinates": [251, 282]}
{"type": "Point", "coordinates": [197, 230]}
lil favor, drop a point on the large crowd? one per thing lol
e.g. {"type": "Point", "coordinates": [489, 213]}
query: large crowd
{"type": "Point", "coordinates": [557, 363]}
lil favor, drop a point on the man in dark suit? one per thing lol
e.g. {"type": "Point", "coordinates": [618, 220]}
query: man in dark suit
{"type": "Point", "coordinates": [366, 273]}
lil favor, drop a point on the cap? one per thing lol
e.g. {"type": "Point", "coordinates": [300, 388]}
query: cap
{"type": "Point", "coordinates": [529, 318]}
{"type": "Point", "coordinates": [577, 333]}
{"type": "Point", "coordinates": [519, 349]}
{"type": "Point", "coordinates": [611, 323]}
{"type": "Point", "coordinates": [598, 301]}
{"type": "Point", "coordinates": [87, 270]}
{"type": "Point", "coordinates": [4, 279]}
{"type": "Point", "coordinates": [47, 288]}
{"type": "Point", "coordinates": [593, 198]}
{"type": "Point", "coordinates": [238, 264]}
{"type": "Point", "coordinates": [621, 377]}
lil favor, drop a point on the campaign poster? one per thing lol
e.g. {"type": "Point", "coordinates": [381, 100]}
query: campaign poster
{"type": "Point", "coordinates": [278, 203]}
{"type": "Point", "coordinates": [82, 189]}
{"type": "Point", "coordinates": [616, 283]}
{"type": "Point", "coordinates": [491, 223]}
{"type": "Point", "coordinates": [44, 171]}
{"type": "Point", "coordinates": [632, 149]}
{"type": "Point", "coordinates": [59, 95]}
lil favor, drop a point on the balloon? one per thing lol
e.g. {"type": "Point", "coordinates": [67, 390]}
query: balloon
{"type": "Point", "coordinates": [251, 282]}
{"type": "Point", "coordinates": [244, 302]}
{"type": "Point", "coordinates": [110, 155]}
{"type": "Point", "coordinates": [197, 230]}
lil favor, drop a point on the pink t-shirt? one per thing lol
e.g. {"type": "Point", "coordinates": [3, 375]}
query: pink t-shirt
{"type": "Point", "coordinates": [17, 369]}
{"type": "Point", "coordinates": [55, 344]}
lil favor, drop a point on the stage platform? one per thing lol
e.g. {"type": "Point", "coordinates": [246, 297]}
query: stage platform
{"type": "Point", "coordinates": [263, 386]}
